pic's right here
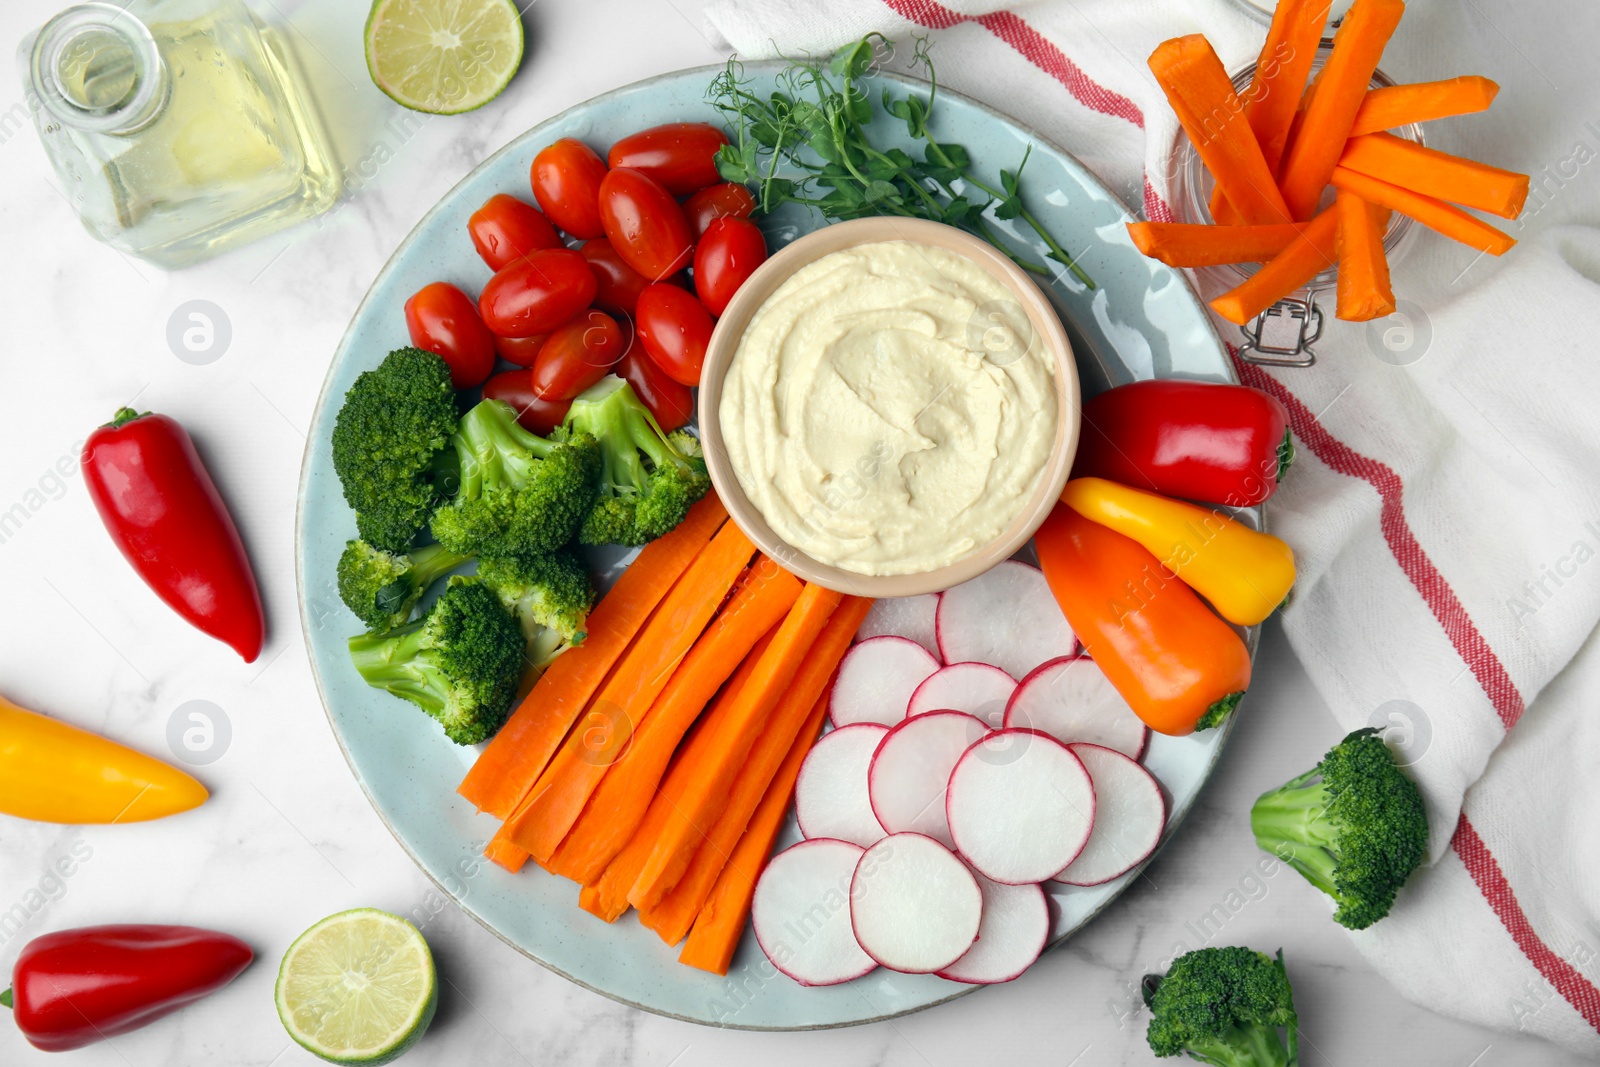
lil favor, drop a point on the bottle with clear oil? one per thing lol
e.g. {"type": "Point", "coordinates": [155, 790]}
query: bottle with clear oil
{"type": "Point", "coordinates": [178, 128]}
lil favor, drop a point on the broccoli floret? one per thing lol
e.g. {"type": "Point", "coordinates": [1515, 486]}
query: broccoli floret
{"type": "Point", "coordinates": [395, 422]}
{"type": "Point", "coordinates": [460, 664]}
{"type": "Point", "coordinates": [382, 587]}
{"type": "Point", "coordinates": [648, 479]}
{"type": "Point", "coordinates": [545, 592]}
{"type": "Point", "coordinates": [1354, 825]}
{"type": "Point", "coordinates": [1224, 1006]}
{"type": "Point", "coordinates": [518, 492]}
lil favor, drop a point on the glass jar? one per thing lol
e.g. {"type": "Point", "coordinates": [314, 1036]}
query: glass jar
{"type": "Point", "coordinates": [178, 127]}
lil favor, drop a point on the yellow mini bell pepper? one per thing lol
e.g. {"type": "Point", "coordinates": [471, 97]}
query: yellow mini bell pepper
{"type": "Point", "coordinates": [1244, 573]}
{"type": "Point", "coordinates": [53, 772]}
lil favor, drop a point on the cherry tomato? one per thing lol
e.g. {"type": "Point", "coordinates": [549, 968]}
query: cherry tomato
{"type": "Point", "coordinates": [729, 253]}
{"type": "Point", "coordinates": [520, 350]}
{"type": "Point", "coordinates": [537, 293]}
{"type": "Point", "coordinates": [674, 329]}
{"type": "Point", "coordinates": [443, 320]}
{"type": "Point", "coordinates": [671, 403]}
{"type": "Point", "coordinates": [577, 355]}
{"type": "Point", "coordinates": [715, 202]}
{"type": "Point", "coordinates": [505, 229]}
{"type": "Point", "coordinates": [566, 182]}
{"type": "Point", "coordinates": [644, 224]}
{"type": "Point", "coordinates": [679, 155]}
{"type": "Point", "coordinates": [536, 415]}
{"type": "Point", "coordinates": [619, 283]}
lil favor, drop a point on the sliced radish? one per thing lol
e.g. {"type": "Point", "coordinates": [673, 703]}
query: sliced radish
{"type": "Point", "coordinates": [1020, 806]}
{"type": "Point", "coordinates": [1015, 926]}
{"type": "Point", "coordinates": [911, 768]}
{"type": "Point", "coordinates": [910, 617]}
{"type": "Point", "coordinates": [1006, 616]}
{"type": "Point", "coordinates": [1129, 815]}
{"type": "Point", "coordinates": [876, 680]}
{"type": "Point", "coordinates": [830, 797]}
{"type": "Point", "coordinates": [1071, 700]}
{"type": "Point", "coordinates": [975, 688]}
{"type": "Point", "coordinates": [801, 913]}
{"type": "Point", "coordinates": [914, 905]}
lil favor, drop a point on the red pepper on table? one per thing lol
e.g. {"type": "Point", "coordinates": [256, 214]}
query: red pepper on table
{"type": "Point", "coordinates": [75, 987]}
{"type": "Point", "coordinates": [166, 516]}
{"type": "Point", "coordinates": [1223, 444]}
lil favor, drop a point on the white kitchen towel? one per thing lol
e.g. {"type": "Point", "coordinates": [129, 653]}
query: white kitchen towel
{"type": "Point", "coordinates": [1445, 510]}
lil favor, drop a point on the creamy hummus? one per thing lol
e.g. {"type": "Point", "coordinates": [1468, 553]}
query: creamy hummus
{"type": "Point", "coordinates": [889, 409]}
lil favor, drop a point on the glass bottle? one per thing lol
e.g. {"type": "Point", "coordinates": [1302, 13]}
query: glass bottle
{"type": "Point", "coordinates": [178, 127]}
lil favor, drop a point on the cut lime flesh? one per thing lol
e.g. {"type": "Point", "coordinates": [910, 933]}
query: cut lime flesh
{"type": "Point", "coordinates": [443, 57]}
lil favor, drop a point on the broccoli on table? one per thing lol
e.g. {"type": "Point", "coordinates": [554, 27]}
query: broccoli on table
{"type": "Point", "coordinates": [383, 587]}
{"type": "Point", "coordinates": [460, 663]}
{"type": "Point", "coordinates": [648, 479]}
{"type": "Point", "coordinates": [387, 439]}
{"type": "Point", "coordinates": [1224, 1006]}
{"type": "Point", "coordinates": [549, 594]}
{"type": "Point", "coordinates": [518, 493]}
{"type": "Point", "coordinates": [1354, 825]}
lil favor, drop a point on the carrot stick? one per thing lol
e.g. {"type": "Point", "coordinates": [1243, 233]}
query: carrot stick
{"type": "Point", "coordinates": [606, 728]}
{"type": "Point", "coordinates": [1431, 212]}
{"type": "Point", "coordinates": [721, 921]}
{"type": "Point", "coordinates": [725, 749]}
{"type": "Point", "coordinates": [1202, 96]}
{"type": "Point", "coordinates": [1341, 87]}
{"type": "Point", "coordinates": [1440, 174]}
{"type": "Point", "coordinates": [515, 758]}
{"type": "Point", "coordinates": [624, 794]}
{"type": "Point", "coordinates": [1364, 290]}
{"type": "Point", "coordinates": [503, 851]}
{"type": "Point", "coordinates": [672, 917]}
{"type": "Point", "coordinates": [1281, 71]}
{"type": "Point", "coordinates": [1401, 105]}
{"type": "Point", "coordinates": [1313, 251]}
{"type": "Point", "coordinates": [1187, 244]}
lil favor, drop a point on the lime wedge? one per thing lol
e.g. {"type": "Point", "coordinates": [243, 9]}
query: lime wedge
{"type": "Point", "coordinates": [443, 56]}
{"type": "Point", "coordinates": [358, 987]}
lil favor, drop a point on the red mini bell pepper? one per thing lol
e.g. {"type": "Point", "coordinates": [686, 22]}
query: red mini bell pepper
{"type": "Point", "coordinates": [75, 987]}
{"type": "Point", "coordinates": [166, 516]}
{"type": "Point", "coordinates": [1222, 444]}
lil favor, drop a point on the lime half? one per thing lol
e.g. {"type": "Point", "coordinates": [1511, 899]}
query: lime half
{"type": "Point", "coordinates": [443, 56]}
{"type": "Point", "coordinates": [358, 987]}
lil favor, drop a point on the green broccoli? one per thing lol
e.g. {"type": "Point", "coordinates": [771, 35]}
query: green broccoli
{"type": "Point", "coordinates": [518, 492]}
{"type": "Point", "coordinates": [1354, 826]}
{"type": "Point", "coordinates": [545, 592]}
{"type": "Point", "coordinates": [387, 439]}
{"type": "Point", "coordinates": [648, 479]}
{"type": "Point", "coordinates": [1224, 1006]}
{"type": "Point", "coordinates": [382, 587]}
{"type": "Point", "coordinates": [460, 663]}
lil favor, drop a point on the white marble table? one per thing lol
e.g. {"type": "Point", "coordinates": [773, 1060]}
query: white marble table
{"type": "Point", "coordinates": [287, 836]}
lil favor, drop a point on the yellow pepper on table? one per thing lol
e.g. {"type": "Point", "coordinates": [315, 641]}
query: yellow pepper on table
{"type": "Point", "coordinates": [1244, 573]}
{"type": "Point", "coordinates": [53, 772]}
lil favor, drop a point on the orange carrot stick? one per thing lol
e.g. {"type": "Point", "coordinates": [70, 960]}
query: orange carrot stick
{"type": "Point", "coordinates": [1401, 105]}
{"type": "Point", "coordinates": [1439, 174]}
{"type": "Point", "coordinates": [672, 917]}
{"type": "Point", "coordinates": [721, 921]}
{"type": "Point", "coordinates": [1307, 255]}
{"type": "Point", "coordinates": [1211, 113]}
{"type": "Point", "coordinates": [513, 761]}
{"type": "Point", "coordinates": [1281, 72]}
{"type": "Point", "coordinates": [1341, 87]}
{"type": "Point", "coordinates": [726, 749]}
{"type": "Point", "coordinates": [504, 852]}
{"type": "Point", "coordinates": [1364, 292]}
{"type": "Point", "coordinates": [1187, 244]}
{"type": "Point", "coordinates": [1430, 211]}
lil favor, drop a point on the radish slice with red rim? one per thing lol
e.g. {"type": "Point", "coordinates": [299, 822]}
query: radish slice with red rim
{"type": "Point", "coordinates": [876, 679]}
{"type": "Point", "coordinates": [911, 617]}
{"type": "Point", "coordinates": [1006, 616]}
{"type": "Point", "coordinates": [979, 689]}
{"type": "Point", "coordinates": [915, 907]}
{"type": "Point", "coordinates": [911, 768]}
{"type": "Point", "coordinates": [801, 913]}
{"type": "Point", "coordinates": [830, 796]}
{"type": "Point", "coordinates": [1020, 806]}
{"type": "Point", "coordinates": [1071, 700]}
{"type": "Point", "coordinates": [1015, 927]}
{"type": "Point", "coordinates": [1129, 815]}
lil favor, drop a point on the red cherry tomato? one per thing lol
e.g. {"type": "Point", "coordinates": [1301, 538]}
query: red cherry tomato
{"type": "Point", "coordinates": [505, 229]}
{"type": "Point", "coordinates": [577, 355]}
{"type": "Point", "coordinates": [671, 403]}
{"type": "Point", "coordinates": [730, 252]}
{"type": "Point", "coordinates": [679, 155]}
{"type": "Point", "coordinates": [566, 181]}
{"type": "Point", "coordinates": [619, 283]}
{"type": "Point", "coordinates": [536, 415]}
{"type": "Point", "coordinates": [644, 224]}
{"type": "Point", "coordinates": [674, 330]}
{"type": "Point", "coordinates": [520, 350]}
{"type": "Point", "coordinates": [728, 199]}
{"type": "Point", "coordinates": [443, 320]}
{"type": "Point", "coordinates": [537, 293]}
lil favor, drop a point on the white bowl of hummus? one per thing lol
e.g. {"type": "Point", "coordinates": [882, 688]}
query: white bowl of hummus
{"type": "Point", "coordinates": [889, 407]}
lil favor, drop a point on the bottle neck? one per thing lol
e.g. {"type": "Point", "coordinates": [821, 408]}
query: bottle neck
{"type": "Point", "coordinates": [96, 68]}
